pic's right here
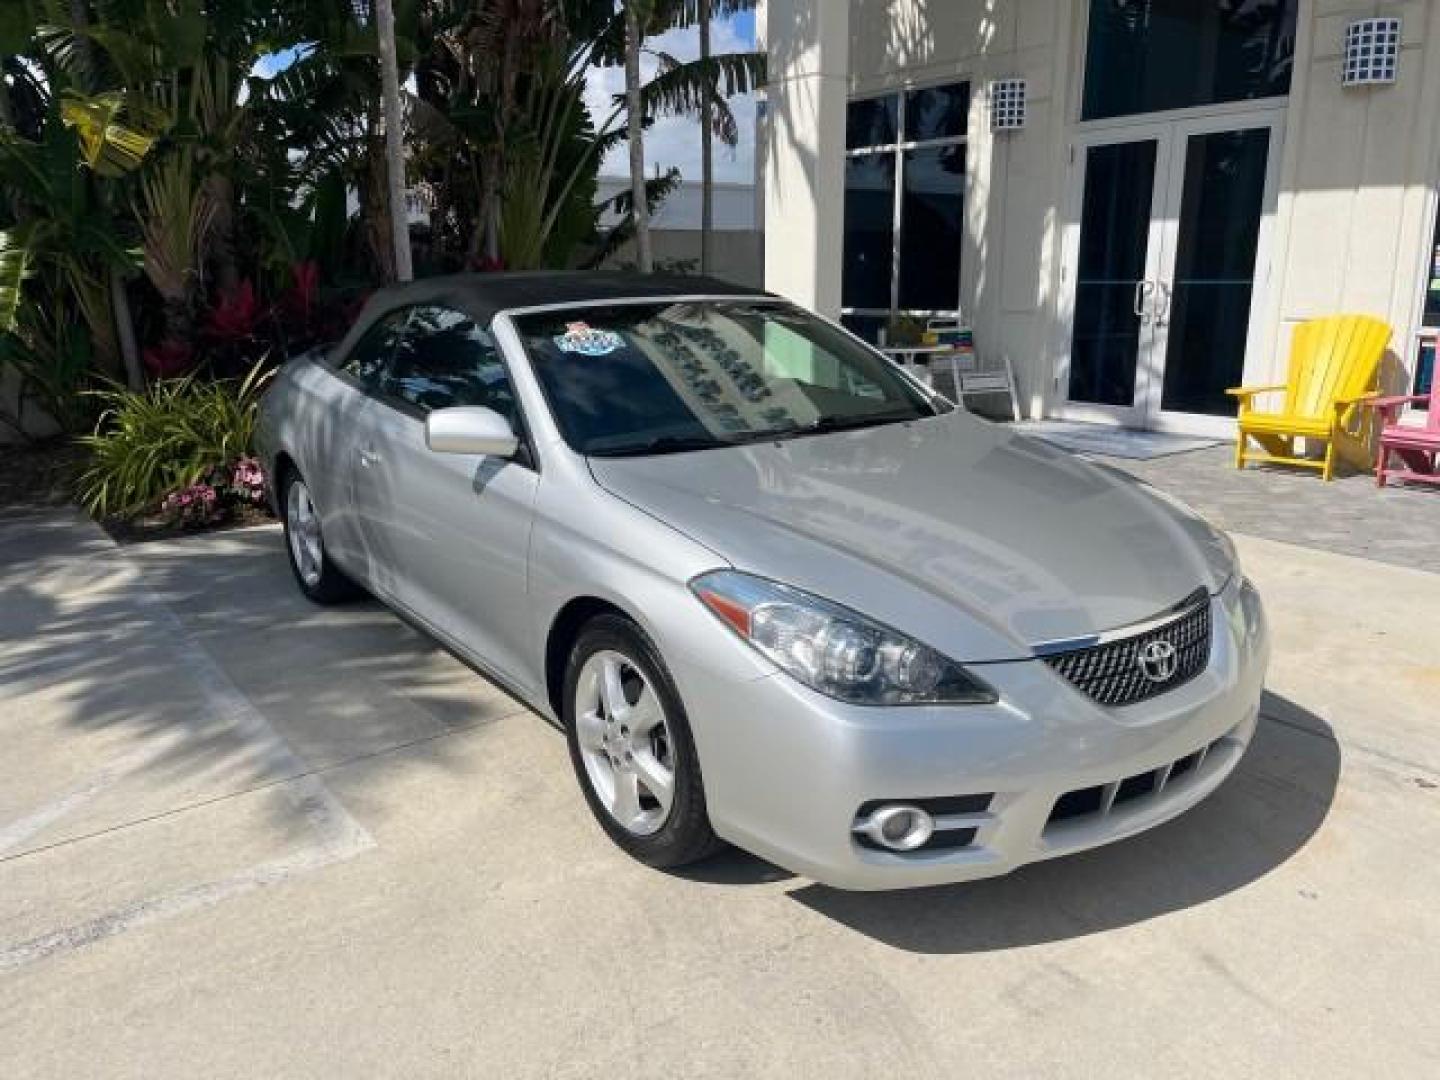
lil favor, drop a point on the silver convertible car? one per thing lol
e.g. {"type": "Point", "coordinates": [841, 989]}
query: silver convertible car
{"type": "Point", "coordinates": [775, 591]}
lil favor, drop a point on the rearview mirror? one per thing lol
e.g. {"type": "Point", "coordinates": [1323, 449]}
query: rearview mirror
{"type": "Point", "coordinates": [470, 430]}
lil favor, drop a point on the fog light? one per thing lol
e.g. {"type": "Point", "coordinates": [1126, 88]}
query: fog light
{"type": "Point", "coordinates": [898, 827]}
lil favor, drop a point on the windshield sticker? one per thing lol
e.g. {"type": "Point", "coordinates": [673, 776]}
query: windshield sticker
{"type": "Point", "coordinates": [582, 338]}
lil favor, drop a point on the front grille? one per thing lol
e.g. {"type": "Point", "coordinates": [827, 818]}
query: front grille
{"type": "Point", "coordinates": [1100, 800]}
{"type": "Point", "coordinates": [1113, 673]}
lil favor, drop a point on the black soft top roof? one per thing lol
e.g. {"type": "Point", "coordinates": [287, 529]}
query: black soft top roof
{"type": "Point", "coordinates": [485, 295]}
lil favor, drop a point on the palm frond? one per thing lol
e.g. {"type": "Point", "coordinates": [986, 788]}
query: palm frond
{"type": "Point", "coordinates": [109, 146]}
{"type": "Point", "coordinates": [177, 216]}
{"type": "Point", "coordinates": [681, 88]}
{"type": "Point", "coordinates": [17, 262]}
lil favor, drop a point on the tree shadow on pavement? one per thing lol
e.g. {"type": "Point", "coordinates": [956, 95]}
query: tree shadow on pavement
{"type": "Point", "coordinates": [1261, 816]}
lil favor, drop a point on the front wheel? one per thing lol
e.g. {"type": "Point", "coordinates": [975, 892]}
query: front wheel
{"type": "Point", "coordinates": [319, 578]}
{"type": "Point", "coordinates": [631, 748]}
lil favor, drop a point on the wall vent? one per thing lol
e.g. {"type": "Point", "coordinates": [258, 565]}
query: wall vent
{"type": "Point", "coordinates": [1372, 52]}
{"type": "Point", "coordinates": [1007, 104]}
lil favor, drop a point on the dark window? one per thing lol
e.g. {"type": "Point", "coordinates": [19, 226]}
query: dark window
{"type": "Point", "coordinates": [905, 166]}
{"type": "Point", "coordinates": [1209, 298]}
{"type": "Point", "coordinates": [931, 224]}
{"type": "Point", "coordinates": [1114, 241]}
{"type": "Point", "coordinates": [867, 327]}
{"type": "Point", "coordinates": [937, 112]}
{"type": "Point", "coordinates": [869, 230]}
{"type": "Point", "coordinates": [368, 358]}
{"type": "Point", "coordinates": [872, 122]}
{"type": "Point", "coordinates": [445, 360]}
{"type": "Point", "coordinates": [1151, 55]}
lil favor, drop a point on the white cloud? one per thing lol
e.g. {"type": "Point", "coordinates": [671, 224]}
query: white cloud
{"type": "Point", "coordinates": [675, 140]}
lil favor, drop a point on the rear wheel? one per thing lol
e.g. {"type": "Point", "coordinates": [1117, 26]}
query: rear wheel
{"type": "Point", "coordinates": [319, 578]}
{"type": "Point", "coordinates": [631, 747]}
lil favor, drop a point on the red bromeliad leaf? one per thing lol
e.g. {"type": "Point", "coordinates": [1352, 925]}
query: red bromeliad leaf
{"type": "Point", "coordinates": [298, 302]}
{"type": "Point", "coordinates": [168, 359]}
{"type": "Point", "coordinates": [236, 315]}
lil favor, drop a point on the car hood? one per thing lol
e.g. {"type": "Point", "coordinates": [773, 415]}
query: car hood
{"type": "Point", "coordinates": [908, 522]}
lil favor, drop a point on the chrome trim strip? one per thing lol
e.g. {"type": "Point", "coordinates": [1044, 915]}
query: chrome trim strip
{"type": "Point", "coordinates": [1188, 606]}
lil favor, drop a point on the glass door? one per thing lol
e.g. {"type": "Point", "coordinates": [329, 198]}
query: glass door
{"type": "Point", "coordinates": [1113, 256]}
{"type": "Point", "coordinates": [1216, 229]}
{"type": "Point", "coordinates": [1165, 245]}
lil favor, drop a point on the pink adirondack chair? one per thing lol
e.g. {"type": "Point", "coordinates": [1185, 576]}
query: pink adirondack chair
{"type": "Point", "coordinates": [1416, 447]}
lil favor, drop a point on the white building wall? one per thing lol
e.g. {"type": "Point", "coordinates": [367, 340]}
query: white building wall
{"type": "Point", "coordinates": [1358, 179]}
{"type": "Point", "coordinates": [802, 140]}
{"type": "Point", "coordinates": [1015, 181]}
{"type": "Point", "coordinates": [1357, 184]}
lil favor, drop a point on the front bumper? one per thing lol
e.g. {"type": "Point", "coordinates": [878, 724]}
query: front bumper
{"type": "Point", "coordinates": [786, 770]}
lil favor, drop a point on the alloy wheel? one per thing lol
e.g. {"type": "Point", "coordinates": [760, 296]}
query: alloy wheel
{"type": "Point", "coordinates": [303, 528]}
{"type": "Point", "coordinates": [625, 742]}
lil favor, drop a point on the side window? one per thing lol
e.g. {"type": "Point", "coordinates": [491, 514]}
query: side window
{"type": "Point", "coordinates": [367, 359]}
{"type": "Point", "coordinates": [444, 360]}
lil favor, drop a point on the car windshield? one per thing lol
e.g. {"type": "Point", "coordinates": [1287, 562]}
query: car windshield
{"type": "Point", "coordinates": [671, 376]}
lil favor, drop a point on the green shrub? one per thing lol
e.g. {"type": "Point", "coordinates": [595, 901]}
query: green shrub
{"type": "Point", "coordinates": [151, 442]}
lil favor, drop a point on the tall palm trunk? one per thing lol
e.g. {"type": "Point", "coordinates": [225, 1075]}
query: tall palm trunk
{"type": "Point", "coordinates": [394, 135]}
{"type": "Point", "coordinates": [636, 120]}
{"type": "Point", "coordinates": [222, 241]}
{"type": "Point", "coordinates": [125, 330]}
{"type": "Point", "coordinates": [115, 278]}
{"type": "Point", "coordinates": [375, 202]}
{"type": "Point", "coordinates": [707, 148]}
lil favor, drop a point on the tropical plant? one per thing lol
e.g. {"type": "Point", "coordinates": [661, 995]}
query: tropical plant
{"type": "Point", "coordinates": [319, 121]}
{"type": "Point", "coordinates": [168, 207]}
{"type": "Point", "coordinates": [52, 355]}
{"type": "Point", "coordinates": [61, 246]}
{"type": "Point", "coordinates": [166, 437]}
{"type": "Point", "coordinates": [217, 494]}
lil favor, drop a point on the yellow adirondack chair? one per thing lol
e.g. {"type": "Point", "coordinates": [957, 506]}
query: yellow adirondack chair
{"type": "Point", "coordinates": [1333, 362]}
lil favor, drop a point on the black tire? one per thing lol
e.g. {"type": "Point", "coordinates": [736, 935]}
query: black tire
{"type": "Point", "coordinates": [331, 586]}
{"type": "Point", "coordinates": [685, 836]}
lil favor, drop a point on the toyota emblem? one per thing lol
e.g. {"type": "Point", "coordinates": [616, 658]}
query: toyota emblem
{"type": "Point", "coordinates": [1158, 661]}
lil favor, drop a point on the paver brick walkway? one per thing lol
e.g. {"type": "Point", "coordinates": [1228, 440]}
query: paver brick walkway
{"type": "Point", "coordinates": [1348, 516]}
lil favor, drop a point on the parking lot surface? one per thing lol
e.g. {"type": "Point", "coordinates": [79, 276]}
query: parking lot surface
{"type": "Point", "coordinates": [241, 836]}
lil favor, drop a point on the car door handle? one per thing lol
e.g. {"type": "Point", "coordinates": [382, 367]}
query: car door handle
{"type": "Point", "coordinates": [368, 458]}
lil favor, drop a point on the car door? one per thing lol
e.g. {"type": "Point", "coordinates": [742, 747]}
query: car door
{"type": "Point", "coordinates": [449, 534]}
{"type": "Point", "coordinates": [339, 409]}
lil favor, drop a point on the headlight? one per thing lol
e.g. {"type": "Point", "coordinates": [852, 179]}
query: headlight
{"type": "Point", "coordinates": [834, 650]}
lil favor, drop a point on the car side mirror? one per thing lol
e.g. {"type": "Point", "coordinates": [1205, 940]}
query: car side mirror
{"type": "Point", "coordinates": [470, 430]}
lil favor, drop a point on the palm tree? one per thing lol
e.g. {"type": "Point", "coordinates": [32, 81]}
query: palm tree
{"type": "Point", "coordinates": [702, 88]}
{"type": "Point", "coordinates": [638, 14]}
{"type": "Point", "coordinates": [715, 115]}
{"type": "Point", "coordinates": [707, 146]}
{"type": "Point", "coordinates": [394, 136]}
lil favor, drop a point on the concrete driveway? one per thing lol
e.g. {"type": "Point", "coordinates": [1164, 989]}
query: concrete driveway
{"type": "Point", "coordinates": [242, 836]}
